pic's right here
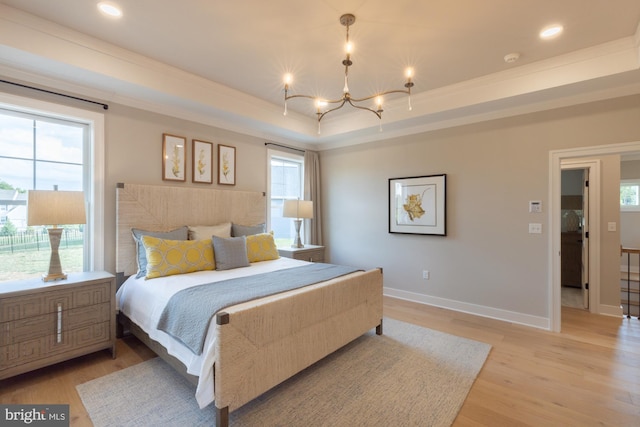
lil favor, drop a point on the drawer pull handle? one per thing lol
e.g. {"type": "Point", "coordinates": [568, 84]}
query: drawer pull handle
{"type": "Point", "coordinates": [59, 330]}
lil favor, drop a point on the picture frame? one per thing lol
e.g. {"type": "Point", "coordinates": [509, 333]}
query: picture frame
{"type": "Point", "coordinates": [417, 205]}
{"type": "Point", "coordinates": [174, 159]}
{"type": "Point", "coordinates": [201, 161]}
{"type": "Point", "coordinates": [226, 165]}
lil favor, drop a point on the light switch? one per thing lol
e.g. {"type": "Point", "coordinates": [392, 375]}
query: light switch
{"type": "Point", "coordinates": [611, 226]}
{"type": "Point", "coordinates": [535, 228]}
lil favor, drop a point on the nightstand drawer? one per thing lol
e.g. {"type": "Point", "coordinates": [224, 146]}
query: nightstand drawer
{"type": "Point", "coordinates": [36, 349]}
{"type": "Point", "coordinates": [33, 327]}
{"type": "Point", "coordinates": [22, 307]}
{"type": "Point", "coordinates": [310, 253]}
{"type": "Point", "coordinates": [315, 255]}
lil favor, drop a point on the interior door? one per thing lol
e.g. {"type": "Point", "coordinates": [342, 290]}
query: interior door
{"type": "Point", "coordinates": [585, 237]}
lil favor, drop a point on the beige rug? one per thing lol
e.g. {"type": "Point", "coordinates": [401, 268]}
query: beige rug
{"type": "Point", "coordinates": [410, 376]}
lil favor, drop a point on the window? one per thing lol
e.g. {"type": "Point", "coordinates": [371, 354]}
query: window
{"type": "Point", "coordinates": [42, 145]}
{"type": "Point", "coordinates": [285, 181]}
{"type": "Point", "coordinates": [630, 195]}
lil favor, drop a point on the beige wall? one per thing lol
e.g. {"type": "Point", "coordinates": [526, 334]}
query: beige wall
{"type": "Point", "coordinates": [134, 152]}
{"type": "Point", "coordinates": [493, 169]}
{"type": "Point", "coordinates": [610, 240]}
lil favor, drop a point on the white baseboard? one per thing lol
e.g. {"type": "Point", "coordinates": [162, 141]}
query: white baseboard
{"type": "Point", "coordinates": [610, 310]}
{"type": "Point", "coordinates": [478, 310]}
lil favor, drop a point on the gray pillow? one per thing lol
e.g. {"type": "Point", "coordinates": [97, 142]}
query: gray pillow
{"type": "Point", "coordinates": [178, 234]}
{"type": "Point", "coordinates": [247, 230]}
{"type": "Point", "coordinates": [230, 253]}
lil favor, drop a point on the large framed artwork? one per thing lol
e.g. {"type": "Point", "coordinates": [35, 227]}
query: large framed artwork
{"type": "Point", "coordinates": [202, 161]}
{"type": "Point", "coordinates": [417, 205]}
{"type": "Point", "coordinates": [174, 159]}
{"type": "Point", "coordinates": [226, 165]}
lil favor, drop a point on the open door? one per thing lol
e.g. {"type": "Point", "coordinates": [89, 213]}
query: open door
{"type": "Point", "coordinates": [585, 237]}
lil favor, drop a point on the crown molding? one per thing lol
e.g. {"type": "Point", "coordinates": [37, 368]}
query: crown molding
{"type": "Point", "coordinates": [41, 52]}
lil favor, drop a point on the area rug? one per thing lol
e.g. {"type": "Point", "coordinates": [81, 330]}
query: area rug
{"type": "Point", "coordinates": [410, 376]}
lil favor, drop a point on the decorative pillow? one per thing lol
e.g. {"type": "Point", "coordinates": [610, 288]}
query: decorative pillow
{"type": "Point", "coordinates": [168, 257]}
{"type": "Point", "coordinates": [230, 253]}
{"type": "Point", "coordinates": [247, 230]}
{"type": "Point", "coordinates": [201, 232]}
{"type": "Point", "coordinates": [177, 234]}
{"type": "Point", "coordinates": [261, 247]}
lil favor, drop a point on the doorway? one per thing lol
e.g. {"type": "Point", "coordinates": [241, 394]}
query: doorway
{"type": "Point", "coordinates": [591, 267]}
{"type": "Point", "coordinates": [574, 239]}
{"type": "Point", "coordinates": [557, 159]}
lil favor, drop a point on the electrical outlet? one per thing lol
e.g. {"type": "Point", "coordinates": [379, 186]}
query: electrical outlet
{"type": "Point", "coordinates": [425, 274]}
{"type": "Point", "coordinates": [535, 228]}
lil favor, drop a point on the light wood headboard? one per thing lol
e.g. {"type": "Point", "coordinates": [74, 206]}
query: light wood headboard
{"type": "Point", "coordinates": [163, 208]}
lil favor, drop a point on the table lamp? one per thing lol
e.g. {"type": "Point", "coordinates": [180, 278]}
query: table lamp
{"type": "Point", "coordinates": [298, 209]}
{"type": "Point", "coordinates": [45, 207]}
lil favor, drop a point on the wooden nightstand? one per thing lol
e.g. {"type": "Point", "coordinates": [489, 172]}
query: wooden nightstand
{"type": "Point", "coordinates": [311, 253]}
{"type": "Point", "coordinates": [42, 323]}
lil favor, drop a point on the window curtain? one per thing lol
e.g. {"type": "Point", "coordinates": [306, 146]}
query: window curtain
{"type": "Point", "coordinates": [313, 227]}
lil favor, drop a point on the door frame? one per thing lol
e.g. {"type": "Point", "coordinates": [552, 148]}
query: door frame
{"type": "Point", "coordinates": [555, 159]}
{"type": "Point", "coordinates": [593, 167]}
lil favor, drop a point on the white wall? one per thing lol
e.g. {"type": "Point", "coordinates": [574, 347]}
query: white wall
{"type": "Point", "coordinates": [488, 263]}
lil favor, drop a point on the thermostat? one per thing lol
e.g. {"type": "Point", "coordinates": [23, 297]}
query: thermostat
{"type": "Point", "coordinates": [535, 206]}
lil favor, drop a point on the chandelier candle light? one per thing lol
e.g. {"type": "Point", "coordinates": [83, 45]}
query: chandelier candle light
{"type": "Point", "coordinates": [324, 107]}
{"type": "Point", "coordinates": [298, 209]}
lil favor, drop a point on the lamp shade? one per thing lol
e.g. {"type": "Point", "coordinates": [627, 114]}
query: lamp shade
{"type": "Point", "coordinates": [297, 209]}
{"type": "Point", "coordinates": [46, 207]}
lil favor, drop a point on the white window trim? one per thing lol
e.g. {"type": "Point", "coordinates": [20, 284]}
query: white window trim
{"type": "Point", "coordinates": [96, 156]}
{"type": "Point", "coordinates": [285, 155]}
{"type": "Point", "coordinates": [626, 208]}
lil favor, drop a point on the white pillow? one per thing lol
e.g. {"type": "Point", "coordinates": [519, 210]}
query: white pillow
{"type": "Point", "coordinates": [201, 232]}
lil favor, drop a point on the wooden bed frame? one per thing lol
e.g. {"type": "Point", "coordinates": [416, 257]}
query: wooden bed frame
{"type": "Point", "coordinates": [254, 340]}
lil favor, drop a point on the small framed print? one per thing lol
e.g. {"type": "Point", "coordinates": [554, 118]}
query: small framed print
{"type": "Point", "coordinates": [226, 165]}
{"type": "Point", "coordinates": [174, 159]}
{"type": "Point", "coordinates": [202, 161]}
{"type": "Point", "coordinates": [417, 205]}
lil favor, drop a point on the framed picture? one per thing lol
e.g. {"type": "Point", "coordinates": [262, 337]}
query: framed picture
{"type": "Point", "coordinates": [174, 159]}
{"type": "Point", "coordinates": [202, 161]}
{"type": "Point", "coordinates": [226, 165]}
{"type": "Point", "coordinates": [417, 205]}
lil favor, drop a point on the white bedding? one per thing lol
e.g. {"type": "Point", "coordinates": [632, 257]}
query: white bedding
{"type": "Point", "coordinates": [142, 301]}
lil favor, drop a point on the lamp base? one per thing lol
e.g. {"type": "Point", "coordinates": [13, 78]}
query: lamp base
{"type": "Point", "coordinates": [55, 268]}
{"type": "Point", "coordinates": [52, 277]}
{"type": "Point", "coordinates": [297, 243]}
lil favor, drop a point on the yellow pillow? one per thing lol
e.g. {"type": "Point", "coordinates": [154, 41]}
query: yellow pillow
{"type": "Point", "coordinates": [168, 257]}
{"type": "Point", "coordinates": [261, 247]}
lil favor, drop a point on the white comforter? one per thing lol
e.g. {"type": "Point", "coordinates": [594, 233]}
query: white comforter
{"type": "Point", "coordinates": [142, 301]}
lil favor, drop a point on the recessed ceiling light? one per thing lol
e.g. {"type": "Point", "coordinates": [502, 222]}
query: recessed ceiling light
{"type": "Point", "coordinates": [551, 32]}
{"type": "Point", "coordinates": [110, 9]}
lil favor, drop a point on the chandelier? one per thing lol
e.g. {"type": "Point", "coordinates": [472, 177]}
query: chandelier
{"type": "Point", "coordinates": [324, 107]}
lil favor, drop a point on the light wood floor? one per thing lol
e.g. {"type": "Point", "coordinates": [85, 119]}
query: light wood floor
{"type": "Point", "coordinates": [589, 374]}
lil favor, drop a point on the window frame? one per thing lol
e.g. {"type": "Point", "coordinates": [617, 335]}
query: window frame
{"type": "Point", "coordinates": [94, 157]}
{"type": "Point", "coordinates": [278, 154]}
{"type": "Point", "coordinates": [630, 208]}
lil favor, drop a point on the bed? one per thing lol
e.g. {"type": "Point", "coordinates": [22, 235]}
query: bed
{"type": "Point", "coordinates": [252, 346]}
